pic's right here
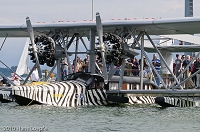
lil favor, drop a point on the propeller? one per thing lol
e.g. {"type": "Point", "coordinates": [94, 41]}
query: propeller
{"type": "Point", "coordinates": [102, 47]}
{"type": "Point", "coordinates": [31, 34]}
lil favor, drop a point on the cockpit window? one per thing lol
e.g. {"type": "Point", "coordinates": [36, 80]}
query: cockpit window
{"type": "Point", "coordinates": [89, 81]}
{"type": "Point", "coordinates": [83, 78]}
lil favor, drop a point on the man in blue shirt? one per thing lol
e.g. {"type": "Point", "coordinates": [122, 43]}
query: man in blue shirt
{"type": "Point", "coordinates": [156, 63]}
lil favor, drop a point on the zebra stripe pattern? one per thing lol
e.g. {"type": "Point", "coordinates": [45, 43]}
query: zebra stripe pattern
{"type": "Point", "coordinates": [141, 99]}
{"type": "Point", "coordinates": [71, 94]}
{"type": "Point", "coordinates": [180, 102]}
{"type": "Point", "coordinates": [66, 93]}
{"type": "Point", "coordinates": [5, 98]}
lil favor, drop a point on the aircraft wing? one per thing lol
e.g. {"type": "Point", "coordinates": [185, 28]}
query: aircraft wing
{"type": "Point", "coordinates": [185, 25]}
{"type": "Point", "coordinates": [173, 48]}
{"type": "Point", "coordinates": [184, 37]}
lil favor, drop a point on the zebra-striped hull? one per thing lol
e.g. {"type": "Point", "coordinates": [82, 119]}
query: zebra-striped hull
{"type": "Point", "coordinates": [68, 94]}
{"type": "Point", "coordinates": [6, 98]}
{"type": "Point", "coordinates": [141, 99]}
{"type": "Point", "coordinates": [175, 102]}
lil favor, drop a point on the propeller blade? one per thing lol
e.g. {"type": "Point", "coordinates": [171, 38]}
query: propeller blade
{"type": "Point", "coordinates": [30, 30]}
{"type": "Point", "coordinates": [31, 34]}
{"type": "Point", "coordinates": [99, 28]}
{"type": "Point", "coordinates": [100, 34]}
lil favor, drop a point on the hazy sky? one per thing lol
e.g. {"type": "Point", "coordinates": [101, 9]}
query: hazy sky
{"type": "Point", "coordinates": [15, 11]}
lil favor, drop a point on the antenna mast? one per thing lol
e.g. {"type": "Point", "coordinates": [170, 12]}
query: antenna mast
{"type": "Point", "coordinates": [92, 10]}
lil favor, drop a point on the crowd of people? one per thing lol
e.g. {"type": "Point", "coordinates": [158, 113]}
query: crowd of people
{"type": "Point", "coordinates": [180, 63]}
{"type": "Point", "coordinates": [133, 66]}
{"type": "Point", "coordinates": [80, 66]}
{"type": "Point", "coordinates": [191, 66]}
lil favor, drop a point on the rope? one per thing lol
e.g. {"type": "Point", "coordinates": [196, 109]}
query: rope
{"type": "Point", "coordinates": [33, 96]}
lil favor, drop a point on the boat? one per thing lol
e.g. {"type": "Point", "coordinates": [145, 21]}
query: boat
{"type": "Point", "coordinates": [82, 89]}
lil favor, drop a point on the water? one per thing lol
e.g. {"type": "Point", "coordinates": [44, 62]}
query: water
{"type": "Point", "coordinates": [135, 118]}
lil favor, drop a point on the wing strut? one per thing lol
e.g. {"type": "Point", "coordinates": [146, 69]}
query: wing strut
{"type": "Point", "coordinates": [3, 42]}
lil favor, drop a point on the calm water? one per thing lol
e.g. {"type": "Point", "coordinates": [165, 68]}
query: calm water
{"type": "Point", "coordinates": [136, 118]}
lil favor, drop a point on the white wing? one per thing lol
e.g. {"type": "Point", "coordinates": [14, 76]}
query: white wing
{"type": "Point", "coordinates": [185, 25]}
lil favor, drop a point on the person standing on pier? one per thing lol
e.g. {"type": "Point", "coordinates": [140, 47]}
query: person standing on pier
{"type": "Point", "coordinates": [135, 68]}
{"type": "Point", "coordinates": [156, 63]}
{"type": "Point", "coordinates": [189, 83]}
{"type": "Point", "coordinates": [64, 67]}
{"type": "Point", "coordinates": [196, 68]}
{"type": "Point", "coordinates": [178, 67]}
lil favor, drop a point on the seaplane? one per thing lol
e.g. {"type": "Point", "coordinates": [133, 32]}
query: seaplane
{"type": "Point", "coordinates": [51, 41]}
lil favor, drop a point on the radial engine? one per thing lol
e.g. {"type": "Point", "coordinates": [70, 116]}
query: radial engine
{"type": "Point", "coordinates": [47, 50]}
{"type": "Point", "coordinates": [112, 48]}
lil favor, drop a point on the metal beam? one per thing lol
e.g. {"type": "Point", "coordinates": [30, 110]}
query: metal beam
{"type": "Point", "coordinates": [92, 57]}
{"type": "Point", "coordinates": [142, 63]}
{"type": "Point", "coordinates": [76, 50]}
{"type": "Point", "coordinates": [158, 92]}
{"type": "Point", "coordinates": [11, 70]}
{"type": "Point", "coordinates": [121, 75]}
{"type": "Point", "coordinates": [6, 78]}
{"type": "Point", "coordinates": [70, 41]}
{"type": "Point", "coordinates": [66, 54]}
{"type": "Point", "coordinates": [83, 43]}
{"type": "Point", "coordinates": [58, 69]}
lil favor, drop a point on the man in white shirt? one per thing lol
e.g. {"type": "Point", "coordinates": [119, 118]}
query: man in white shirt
{"type": "Point", "coordinates": [34, 75]}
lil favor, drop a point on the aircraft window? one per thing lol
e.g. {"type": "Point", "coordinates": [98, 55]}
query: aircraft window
{"type": "Point", "coordinates": [89, 81]}
{"type": "Point", "coordinates": [99, 79]}
{"type": "Point", "coordinates": [84, 78]}
{"type": "Point", "coordinates": [72, 76]}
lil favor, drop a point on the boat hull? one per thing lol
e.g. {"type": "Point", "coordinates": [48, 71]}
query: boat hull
{"type": "Point", "coordinates": [25, 101]}
{"type": "Point", "coordinates": [68, 94]}
{"type": "Point", "coordinates": [6, 98]}
{"type": "Point", "coordinates": [175, 102]}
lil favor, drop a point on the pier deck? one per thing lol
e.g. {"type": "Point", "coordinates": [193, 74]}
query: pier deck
{"type": "Point", "coordinates": [158, 92]}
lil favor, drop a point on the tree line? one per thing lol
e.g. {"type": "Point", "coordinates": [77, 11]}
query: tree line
{"type": "Point", "coordinates": [6, 71]}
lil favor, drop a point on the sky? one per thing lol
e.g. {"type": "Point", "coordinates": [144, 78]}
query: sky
{"type": "Point", "coordinates": [57, 10]}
